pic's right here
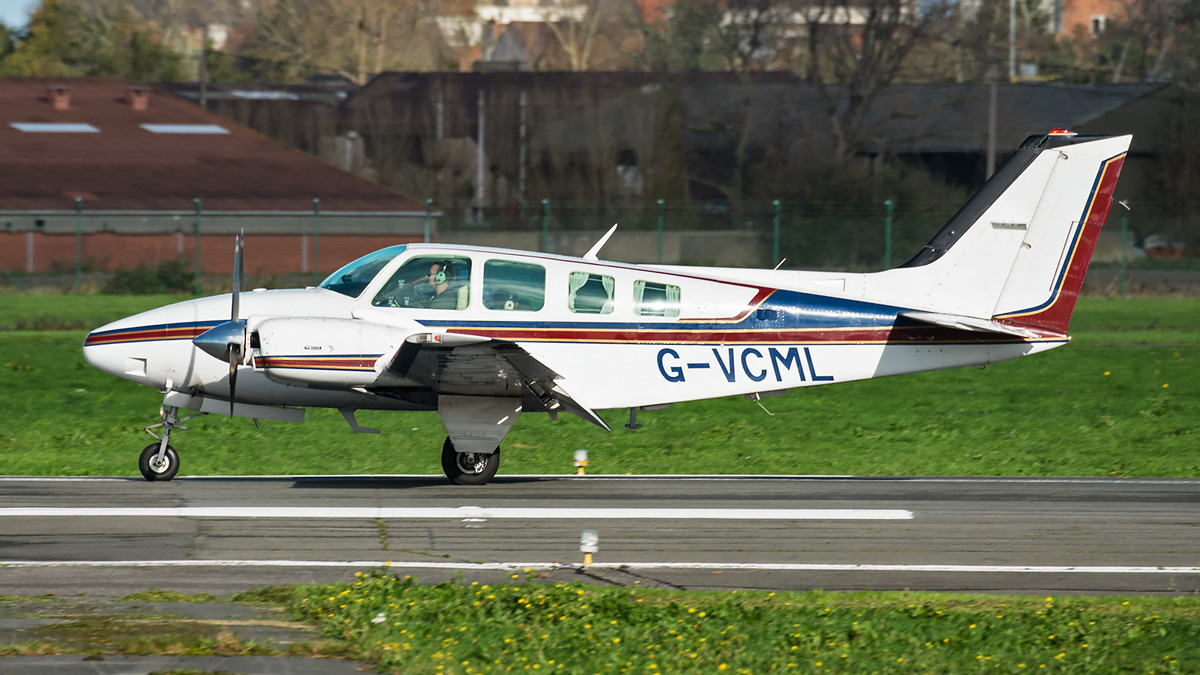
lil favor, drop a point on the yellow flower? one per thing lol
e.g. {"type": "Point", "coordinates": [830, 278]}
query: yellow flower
{"type": "Point", "coordinates": [723, 666]}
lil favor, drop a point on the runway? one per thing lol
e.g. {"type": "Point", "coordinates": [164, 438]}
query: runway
{"type": "Point", "coordinates": [219, 535]}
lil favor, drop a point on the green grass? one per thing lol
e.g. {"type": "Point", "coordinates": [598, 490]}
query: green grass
{"type": "Point", "coordinates": [1122, 400]}
{"type": "Point", "coordinates": [404, 627]}
{"type": "Point", "coordinates": [157, 595]}
{"type": "Point", "coordinates": [397, 625]}
{"type": "Point", "coordinates": [73, 312]}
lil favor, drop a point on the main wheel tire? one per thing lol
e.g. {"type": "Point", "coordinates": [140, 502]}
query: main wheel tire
{"type": "Point", "coordinates": [152, 469]}
{"type": "Point", "coordinates": [469, 468]}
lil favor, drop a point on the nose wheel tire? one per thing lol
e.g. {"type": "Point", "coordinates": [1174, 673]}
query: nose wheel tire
{"type": "Point", "coordinates": [156, 469]}
{"type": "Point", "coordinates": [469, 468]}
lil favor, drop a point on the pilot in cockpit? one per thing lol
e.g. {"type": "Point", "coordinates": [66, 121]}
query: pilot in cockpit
{"type": "Point", "coordinates": [425, 283]}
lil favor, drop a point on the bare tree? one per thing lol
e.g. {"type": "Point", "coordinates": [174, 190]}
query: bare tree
{"type": "Point", "coordinates": [853, 49]}
{"type": "Point", "coordinates": [353, 38]}
{"type": "Point", "coordinates": [573, 24]}
{"type": "Point", "coordinates": [1151, 25]}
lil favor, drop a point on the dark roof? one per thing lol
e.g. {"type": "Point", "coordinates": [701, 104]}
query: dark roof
{"type": "Point", "coordinates": [904, 118]}
{"type": "Point", "coordinates": [930, 118]}
{"type": "Point", "coordinates": [123, 166]}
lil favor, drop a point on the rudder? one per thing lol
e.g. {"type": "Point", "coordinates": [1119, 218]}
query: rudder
{"type": "Point", "coordinates": [1047, 273]}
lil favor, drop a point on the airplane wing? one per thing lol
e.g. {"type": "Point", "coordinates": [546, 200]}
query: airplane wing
{"type": "Point", "coordinates": [485, 367]}
{"type": "Point", "coordinates": [971, 324]}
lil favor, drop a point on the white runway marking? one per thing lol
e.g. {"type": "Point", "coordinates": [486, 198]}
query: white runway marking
{"type": "Point", "coordinates": [382, 513]}
{"type": "Point", "coordinates": [521, 566]}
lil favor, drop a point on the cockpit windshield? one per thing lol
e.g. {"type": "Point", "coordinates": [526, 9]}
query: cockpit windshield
{"type": "Point", "coordinates": [354, 277]}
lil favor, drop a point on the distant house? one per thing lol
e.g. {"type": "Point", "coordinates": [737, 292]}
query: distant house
{"type": "Point", "coordinates": [144, 168]}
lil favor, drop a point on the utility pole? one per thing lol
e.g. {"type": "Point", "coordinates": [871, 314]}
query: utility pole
{"type": "Point", "coordinates": [991, 130]}
{"type": "Point", "coordinates": [203, 72]}
{"type": "Point", "coordinates": [480, 193]}
{"type": "Point", "coordinates": [521, 152]}
{"type": "Point", "coordinates": [1012, 40]}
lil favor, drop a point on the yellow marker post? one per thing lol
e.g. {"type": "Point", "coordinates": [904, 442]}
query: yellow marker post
{"type": "Point", "coordinates": [589, 543]}
{"type": "Point", "coordinates": [581, 461]}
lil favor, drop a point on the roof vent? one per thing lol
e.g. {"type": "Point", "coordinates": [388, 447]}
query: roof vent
{"type": "Point", "coordinates": [138, 97]}
{"type": "Point", "coordinates": [60, 96]}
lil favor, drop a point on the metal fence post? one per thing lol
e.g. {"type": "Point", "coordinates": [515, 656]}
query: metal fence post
{"type": "Point", "coordinates": [545, 226]}
{"type": "Point", "coordinates": [196, 236]}
{"type": "Point", "coordinates": [1124, 234]}
{"type": "Point", "coordinates": [660, 231]}
{"type": "Point", "coordinates": [316, 240]}
{"type": "Point", "coordinates": [887, 237]}
{"type": "Point", "coordinates": [78, 244]}
{"type": "Point", "coordinates": [428, 221]}
{"type": "Point", "coordinates": [775, 235]}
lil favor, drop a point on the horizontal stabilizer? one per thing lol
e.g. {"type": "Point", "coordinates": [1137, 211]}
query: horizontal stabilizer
{"type": "Point", "coordinates": [972, 324]}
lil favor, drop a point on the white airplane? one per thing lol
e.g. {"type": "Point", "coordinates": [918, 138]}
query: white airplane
{"type": "Point", "coordinates": [482, 335]}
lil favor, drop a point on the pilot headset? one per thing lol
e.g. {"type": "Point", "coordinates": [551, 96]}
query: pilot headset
{"type": "Point", "coordinates": [440, 276]}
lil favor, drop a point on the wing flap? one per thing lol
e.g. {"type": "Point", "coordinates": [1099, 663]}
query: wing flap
{"type": "Point", "coordinates": [470, 365]}
{"type": "Point", "coordinates": [971, 324]}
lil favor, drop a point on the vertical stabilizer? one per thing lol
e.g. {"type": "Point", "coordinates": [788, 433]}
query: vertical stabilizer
{"type": "Point", "coordinates": [1048, 271]}
{"type": "Point", "coordinates": [1017, 251]}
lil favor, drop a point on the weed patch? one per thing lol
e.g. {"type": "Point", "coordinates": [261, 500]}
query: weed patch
{"type": "Point", "coordinates": [401, 626]}
{"type": "Point", "coordinates": [156, 595]}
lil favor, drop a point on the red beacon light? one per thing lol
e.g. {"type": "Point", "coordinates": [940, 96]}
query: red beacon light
{"type": "Point", "coordinates": [1062, 132]}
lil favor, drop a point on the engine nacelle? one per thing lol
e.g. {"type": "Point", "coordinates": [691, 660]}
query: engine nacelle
{"type": "Point", "coordinates": [326, 352]}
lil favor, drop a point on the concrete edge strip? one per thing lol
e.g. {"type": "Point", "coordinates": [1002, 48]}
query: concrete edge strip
{"type": "Point", "coordinates": [458, 512]}
{"type": "Point", "coordinates": [542, 566]}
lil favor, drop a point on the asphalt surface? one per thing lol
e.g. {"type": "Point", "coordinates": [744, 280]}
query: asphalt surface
{"type": "Point", "coordinates": [1019, 535]}
{"type": "Point", "coordinates": [88, 541]}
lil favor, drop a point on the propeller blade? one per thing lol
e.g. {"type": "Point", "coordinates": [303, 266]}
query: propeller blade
{"type": "Point", "coordinates": [234, 357]}
{"type": "Point", "coordinates": [238, 273]}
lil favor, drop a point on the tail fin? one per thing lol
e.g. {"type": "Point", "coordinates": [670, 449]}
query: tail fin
{"type": "Point", "coordinates": [1018, 250]}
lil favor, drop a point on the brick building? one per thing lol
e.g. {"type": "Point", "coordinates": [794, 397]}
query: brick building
{"type": "Point", "coordinates": [138, 172]}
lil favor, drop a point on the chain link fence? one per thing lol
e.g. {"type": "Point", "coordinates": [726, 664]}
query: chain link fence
{"type": "Point", "coordinates": [302, 246]}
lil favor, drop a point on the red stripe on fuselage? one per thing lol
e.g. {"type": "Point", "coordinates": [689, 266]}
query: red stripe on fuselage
{"type": "Point", "coordinates": [919, 334]}
{"type": "Point", "coordinates": [326, 363]}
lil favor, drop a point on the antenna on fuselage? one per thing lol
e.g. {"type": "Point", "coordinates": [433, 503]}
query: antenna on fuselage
{"type": "Point", "coordinates": [591, 254]}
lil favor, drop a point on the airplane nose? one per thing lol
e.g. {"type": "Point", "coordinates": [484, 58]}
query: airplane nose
{"type": "Point", "coordinates": [103, 353]}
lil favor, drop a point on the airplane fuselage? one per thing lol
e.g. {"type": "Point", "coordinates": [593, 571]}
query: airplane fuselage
{"type": "Point", "coordinates": [722, 337]}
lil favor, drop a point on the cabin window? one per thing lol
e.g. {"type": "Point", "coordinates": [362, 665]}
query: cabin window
{"type": "Point", "coordinates": [511, 286]}
{"type": "Point", "coordinates": [432, 282]}
{"type": "Point", "coordinates": [653, 299]}
{"type": "Point", "coordinates": [353, 277]}
{"type": "Point", "coordinates": [590, 293]}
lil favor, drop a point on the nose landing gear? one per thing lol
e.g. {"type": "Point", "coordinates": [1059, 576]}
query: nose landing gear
{"type": "Point", "coordinates": [159, 461]}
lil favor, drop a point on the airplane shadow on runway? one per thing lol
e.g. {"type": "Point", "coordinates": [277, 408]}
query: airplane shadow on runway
{"type": "Point", "coordinates": [362, 482]}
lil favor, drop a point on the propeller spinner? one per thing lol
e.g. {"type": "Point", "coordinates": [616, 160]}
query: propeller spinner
{"type": "Point", "coordinates": [227, 341]}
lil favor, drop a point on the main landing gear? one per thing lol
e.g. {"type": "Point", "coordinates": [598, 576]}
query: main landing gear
{"type": "Point", "coordinates": [469, 468]}
{"type": "Point", "coordinates": [159, 461]}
